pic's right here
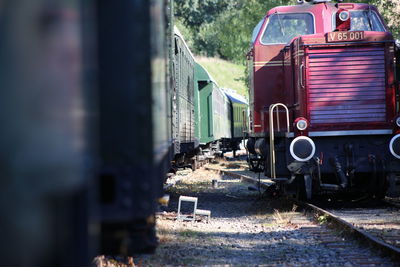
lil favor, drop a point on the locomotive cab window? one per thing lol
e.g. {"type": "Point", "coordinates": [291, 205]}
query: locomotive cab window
{"type": "Point", "coordinates": [256, 31]}
{"type": "Point", "coordinates": [364, 20]}
{"type": "Point", "coordinates": [281, 28]}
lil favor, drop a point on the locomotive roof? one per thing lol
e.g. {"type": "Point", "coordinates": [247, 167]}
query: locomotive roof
{"type": "Point", "coordinates": [307, 7]}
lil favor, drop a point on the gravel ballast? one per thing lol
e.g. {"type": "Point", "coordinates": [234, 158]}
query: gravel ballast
{"type": "Point", "coordinates": [246, 230]}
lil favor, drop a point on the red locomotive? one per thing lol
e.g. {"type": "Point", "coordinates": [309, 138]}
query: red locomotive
{"type": "Point", "coordinates": [324, 99]}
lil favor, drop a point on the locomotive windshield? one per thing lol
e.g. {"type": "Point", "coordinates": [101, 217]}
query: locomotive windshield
{"type": "Point", "coordinates": [281, 28]}
{"type": "Point", "coordinates": [256, 31]}
{"type": "Point", "coordinates": [364, 20]}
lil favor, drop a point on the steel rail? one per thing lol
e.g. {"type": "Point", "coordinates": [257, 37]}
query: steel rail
{"type": "Point", "coordinates": [334, 220]}
{"type": "Point", "coordinates": [352, 230]}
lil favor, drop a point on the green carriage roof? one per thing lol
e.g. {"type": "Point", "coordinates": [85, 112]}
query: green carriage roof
{"type": "Point", "coordinates": [201, 74]}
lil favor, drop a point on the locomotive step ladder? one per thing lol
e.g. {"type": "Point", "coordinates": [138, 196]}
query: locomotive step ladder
{"type": "Point", "coordinates": [272, 108]}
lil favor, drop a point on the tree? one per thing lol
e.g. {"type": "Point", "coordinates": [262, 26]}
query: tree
{"type": "Point", "coordinates": [390, 11]}
{"type": "Point", "coordinates": [194, 13]}
{"type": "Point", "coordinates": [223, 28]}
{"type": "Point", "coordinates": [234, 27]}
{"type": "Point", "coordinates": [195, 16]}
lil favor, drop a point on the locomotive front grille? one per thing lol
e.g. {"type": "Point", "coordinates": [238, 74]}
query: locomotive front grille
{"type": "Point", "coordinates": [346, 85]}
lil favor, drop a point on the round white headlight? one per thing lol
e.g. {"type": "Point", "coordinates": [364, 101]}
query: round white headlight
{"type": "Point", "coordinates": [398, 121]}
{"type": "Point", "coordinates": [344, 15]}
{"type": "Point", "coordinates": [302, 148]}
{"type": "Point", "coordinates": [301, 125]}
{"type": "Point", "coordinates": [394, 146]}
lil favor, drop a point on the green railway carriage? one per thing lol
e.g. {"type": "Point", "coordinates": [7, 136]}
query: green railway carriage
{"type": "Point", "coordinates": [238, 113]}
{"type": "Point", "coordinates": [239, 109]}
{"type": "Point", "coordinates": [131, 106]}
{"type": "Point", "coordinates": [212, 108]}
{"type": "Point", "coordinates": [221, 114]}
{"type": "Point", "coordinates": [183, 121]}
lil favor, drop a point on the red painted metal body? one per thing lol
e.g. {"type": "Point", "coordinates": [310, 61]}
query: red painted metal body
{"type": "Point", "coordinates": [336, 80]}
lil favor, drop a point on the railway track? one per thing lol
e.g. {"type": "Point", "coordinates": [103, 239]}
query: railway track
{"type": "Point", "coordinates": [246, 230]}
{"type": "Point", "coordinates": [379, 226]}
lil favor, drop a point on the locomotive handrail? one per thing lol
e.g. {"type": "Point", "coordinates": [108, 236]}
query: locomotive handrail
{"type": "Point", "coordinates": [244, 131]}
{"type": "Point", "coordinates": [301, 74]}
{"type": "Point", "coordinates": [272, 133]}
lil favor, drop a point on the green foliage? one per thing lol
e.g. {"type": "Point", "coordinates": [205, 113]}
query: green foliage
{"type": "Point", "coordinates": [197, 16]}
{"type": "Point", "coordinates": [390, 10]}
{"type": "Point", "coordinates": [223, 28]}
{"type": "Point", "coordinates": [194, 13]}
{"type": "Point", "coordinates": [186, 32]}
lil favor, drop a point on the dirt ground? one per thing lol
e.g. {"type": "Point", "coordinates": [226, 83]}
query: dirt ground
{"type": "Point", "coordinates": [245, 229]}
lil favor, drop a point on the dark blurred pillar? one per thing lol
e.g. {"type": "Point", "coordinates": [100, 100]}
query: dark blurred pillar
{"type": "Point", "coordinates": [43, 202]}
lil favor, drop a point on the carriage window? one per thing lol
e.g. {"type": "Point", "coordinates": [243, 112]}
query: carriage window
{"type": "Point", "coordinates": [364, 21]}
{"type": "Point", "coordinates": [281, 28]}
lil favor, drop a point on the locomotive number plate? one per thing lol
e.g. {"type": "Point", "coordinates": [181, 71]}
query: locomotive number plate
{"type": "Point", "coordinates": [345, 36]}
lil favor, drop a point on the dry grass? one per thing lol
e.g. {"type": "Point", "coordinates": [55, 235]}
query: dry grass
{"type": "Point", "coordinates": [103, 261]}
{"type": "Point", "coordinates": [284, 218]}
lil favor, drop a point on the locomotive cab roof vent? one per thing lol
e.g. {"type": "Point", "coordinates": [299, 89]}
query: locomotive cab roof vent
{"type": "Point", "coordinates": [315, 1]}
